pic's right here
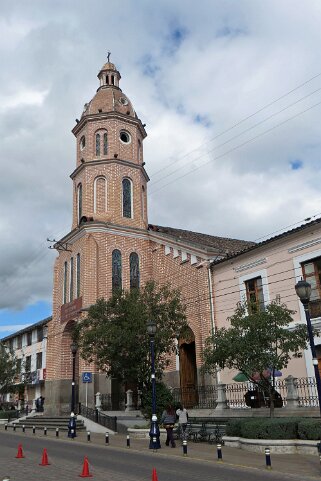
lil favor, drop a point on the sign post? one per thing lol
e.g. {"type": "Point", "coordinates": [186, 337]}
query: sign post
{"type": "Point", "coordinates": [87, 378]}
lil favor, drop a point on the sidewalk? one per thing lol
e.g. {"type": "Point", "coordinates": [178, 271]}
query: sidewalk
{"type": "Point", "coordinates": [304, 466]}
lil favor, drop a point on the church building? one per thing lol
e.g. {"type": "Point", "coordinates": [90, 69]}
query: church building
{"type": "Point", "coordinates": [112, 245]}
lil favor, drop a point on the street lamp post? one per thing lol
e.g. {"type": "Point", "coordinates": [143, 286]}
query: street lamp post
{"type": "Point", "coordinates": [73, 348]}
{"type": "Point", "coordinates": [154, 433]}
{"type": "Point", "coordinates": [303, 290]}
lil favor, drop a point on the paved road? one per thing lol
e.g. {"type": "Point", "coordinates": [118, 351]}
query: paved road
{"type": "Point", "coordinates": [109, 463]}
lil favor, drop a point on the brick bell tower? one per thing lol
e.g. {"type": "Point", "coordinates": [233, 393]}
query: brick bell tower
{"type": "Point", "coordinates": [108, 243]}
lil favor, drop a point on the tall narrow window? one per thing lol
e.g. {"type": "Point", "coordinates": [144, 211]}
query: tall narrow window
{"type": "Point", "coordinates": [71, 280]}
{"type": "Point", "coordinates": [65, 284]}
{"type": "Point", "coordinates": [143, 202]}
{"type": "Point", "coordinates": [97, 144]}
{"type": "Point", "coordinates": [134, 270]}
{"type": "Point", "coordinates": [116, 270]}
{"type": "Point", "coordinates": [79, 202]}
{"type": "Point", "coordinates": [312, 274]}
{"type": "Point", "coordinates": [139, 147]}
{"type": "Point", "coordinates": [254, 294]}
{"type": "Point", "coordinates": [127, 198]}
{"type": "Point", "coordinates": [105, 143]}
{"type": "Point", "coordinates": [78, 275]}
{"type": "Point", "coordinates": [113, 79]}
{"type": "Point", "coordinates": [107, 80]}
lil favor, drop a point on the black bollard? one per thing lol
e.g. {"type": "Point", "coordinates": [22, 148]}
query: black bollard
{"type": "Point", "coordinates": [45, 431]}
{"type": "Point", "coordinates": [219, 452]}
{"type": "Point", "coordinates": [23, 428]}
{"type": "Point", "coordinates": [128, 441]}
{"type": "Point", "coordinates": [107, 438]}
{"type": "Point", "coordinates": [33, 429]}
{"type": "Point", "coordinates": [88, 435]}
{"type": "Point", "coordinates": [57, 432]}
{"type": "Point", "coordinates": [268, 458]}
{"type": "Point", "coordinates": [6, 427]}
{"type": "Point", "coordinates": [185, 447]}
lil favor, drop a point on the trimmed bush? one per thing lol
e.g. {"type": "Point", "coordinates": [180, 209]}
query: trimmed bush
{"type": "Point", "coordinates": [234, 427]}
{"type": "Point", "coordinates": [5, 414]}
{"type": "Point", "coordinates": [309, 429]}
{"type": "Point", "coordinates": [277, 428]}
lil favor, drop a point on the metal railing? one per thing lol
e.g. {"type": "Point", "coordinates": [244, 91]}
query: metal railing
{"type": "Point", "coordinates": [109, 422]}
{"type": "Point", "coordinates": [205, 397]}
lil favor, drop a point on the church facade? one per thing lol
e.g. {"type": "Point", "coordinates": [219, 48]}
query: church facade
{"type": "Point", "coordinates": [112, 245]}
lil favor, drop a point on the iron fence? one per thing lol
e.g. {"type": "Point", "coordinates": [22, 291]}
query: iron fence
{"type": "Point", "coordinates": [308, 394]}
{"type": "Point", "coordinates": [109, 422]}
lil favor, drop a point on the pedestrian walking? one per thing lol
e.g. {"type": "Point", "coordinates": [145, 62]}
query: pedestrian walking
{"type": "Point", "coordinates": [182, 420]}
{"type": "Point", "coordinates": [168, 420]}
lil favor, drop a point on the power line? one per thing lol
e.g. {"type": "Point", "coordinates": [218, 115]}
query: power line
{"type": "Point", "coordinates": [238, 146]}
{"type": "Point", "coordinates": [240, 122]}
{"type": "Point", "coordinates": [240, 134]}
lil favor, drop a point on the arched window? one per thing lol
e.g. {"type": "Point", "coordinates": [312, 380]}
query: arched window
{"type": "Point", "coordinates": [134, 270]}
{"type": "Point", "coordinates": [127, 198]}
{"type": "Point", "coordinates": [139, 148]}
{"type": "Point", "coordinates": [82, 142]}
{"type": "Point", "coordinates": [64, 293]}
{"type": "Point", "coordinates": [71, 280]}
{"type": "Point", "coordinates": [143, 202]}
{"type": "Point", "coordinates": [79, 202]}
{"type": "Point", "coordinates": [105, 143]}
{"type": "Point", "coordinates": [100, 195]}
{"type": "Point", "coordinates": [97, 144]}
{"type": "Point", "coordinates": [78, 275]}
{"type": "Point", "coordinates": [116, 270]}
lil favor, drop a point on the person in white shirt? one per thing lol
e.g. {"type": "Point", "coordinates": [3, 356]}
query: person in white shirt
{"type": "Point", "coordinates": [182, 420]}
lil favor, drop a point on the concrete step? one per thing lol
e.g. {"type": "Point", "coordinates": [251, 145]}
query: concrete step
{"type": "Point", "coordinates": [41, 422]}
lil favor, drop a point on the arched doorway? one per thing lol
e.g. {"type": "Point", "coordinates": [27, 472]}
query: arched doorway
{"type": "Point", "coordinates": [67, 364]}
{"type": "Point", "coordinates": [187, 368]}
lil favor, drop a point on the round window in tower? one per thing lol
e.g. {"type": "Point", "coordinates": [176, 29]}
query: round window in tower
{"type": "Point", "coordinates": [123, 101]}
{"type": "Point", "coordinates": [125, 137]}
{"type": "Point", "coordinates": [82, 143]}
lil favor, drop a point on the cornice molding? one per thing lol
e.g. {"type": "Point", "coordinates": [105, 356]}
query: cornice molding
{"type": "Point", "coordinates": [91, 163]}
{"type": "Point", "coordinates": [304, 245]}
{"type": "Point", "coordinates": [255, 263]}
{"type": "Point", "coordinates": [108, 115]}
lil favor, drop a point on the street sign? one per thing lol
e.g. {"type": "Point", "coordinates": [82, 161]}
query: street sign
{"type": "Point", "coordinates": [87, 377]}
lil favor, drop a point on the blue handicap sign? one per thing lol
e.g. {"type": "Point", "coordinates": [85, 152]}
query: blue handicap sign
{"type": "Point", "coordinates": [86, 377]}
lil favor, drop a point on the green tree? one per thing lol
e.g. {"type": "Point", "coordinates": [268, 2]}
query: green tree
{"type": "Point", "coordinates": [114, 334]}
{"type": "Point", "coordinates": [8, 369]}
{"type": "Point", "coordinates": [255, 342]}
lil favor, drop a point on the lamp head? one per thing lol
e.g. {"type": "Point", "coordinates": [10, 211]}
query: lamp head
{"type": "Point", "coordinates": [151, 328]}
{"type": "Point", "coordinates": [73, 348]}
{"type": "Point", "coordinates": [303, 290]}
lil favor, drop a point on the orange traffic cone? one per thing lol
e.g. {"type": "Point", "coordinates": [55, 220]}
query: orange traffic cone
{"type": "Point", "coordinates": [44, 461]}
{"type": "Point", "coordinates": [20, 452]}
{"type": "Point", "coordinates": [85, 469]}
{"type": "Point", "coordinates": [154, 475]}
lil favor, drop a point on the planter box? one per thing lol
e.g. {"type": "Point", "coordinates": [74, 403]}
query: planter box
{"type": "Point", "coordinates": [277, 446]}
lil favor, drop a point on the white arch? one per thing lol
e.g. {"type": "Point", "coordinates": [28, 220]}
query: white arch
{"type": "Point", "coordinates": [95, 192]}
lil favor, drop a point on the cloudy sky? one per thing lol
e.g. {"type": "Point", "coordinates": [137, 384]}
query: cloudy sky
{"type": "Point", "coordinates": [230, 92]}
